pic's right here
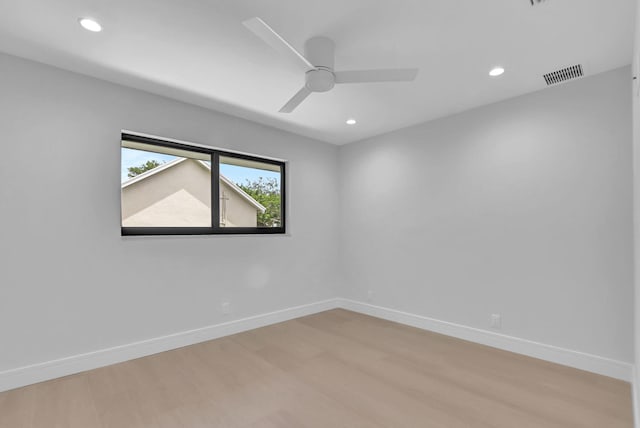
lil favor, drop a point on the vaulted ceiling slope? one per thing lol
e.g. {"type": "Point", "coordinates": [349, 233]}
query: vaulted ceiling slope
{"type": "Point", "coordinates": [199, 52]}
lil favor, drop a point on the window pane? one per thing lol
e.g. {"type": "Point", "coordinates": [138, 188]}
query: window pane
{"type": "Point", "coordinates": [250, 193]}
{"type": "Point", "coordinates": [164, 187]}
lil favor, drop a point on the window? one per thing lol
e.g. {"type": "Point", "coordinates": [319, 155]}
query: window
{"type": "Point", "coordinates": [170, 188]}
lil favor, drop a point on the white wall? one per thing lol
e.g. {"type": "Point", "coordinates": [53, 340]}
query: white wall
{"type": "Point", "coordinates": [70, 284]}
{"type": "Point", "coordinates": [521, 208]}
{"type": "Point", "coordinates": [636, 202]}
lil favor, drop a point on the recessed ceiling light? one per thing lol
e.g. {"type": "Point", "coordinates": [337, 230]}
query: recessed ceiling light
{"type": "Point", "coordinates": [497, 71]}
{"type": "Point", "coordinates": [351, 121]}
{"type": "Point", "coordinates": [90, 24]}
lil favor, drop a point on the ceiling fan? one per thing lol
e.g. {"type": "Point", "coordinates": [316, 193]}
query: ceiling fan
{"type": "Point", "coordinates": [318, 64]}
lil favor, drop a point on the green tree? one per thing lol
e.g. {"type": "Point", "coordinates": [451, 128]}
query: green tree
{"type": "Point", "coordinates": [137, 170]}
{"type": "Point", "coordinates": [267, 192]}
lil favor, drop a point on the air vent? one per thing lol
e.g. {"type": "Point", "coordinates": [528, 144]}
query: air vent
{"type": "Point", "coordinates": [563, 75]}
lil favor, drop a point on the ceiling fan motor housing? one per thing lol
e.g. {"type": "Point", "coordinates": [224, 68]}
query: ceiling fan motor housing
{"type": "Point", "coordinates": [320, 52]}
{"type": "Point", "coordinates": [320, 80]}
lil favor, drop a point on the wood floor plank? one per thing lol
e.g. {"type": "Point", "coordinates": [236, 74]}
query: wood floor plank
{"type": "Point", "coordinates": [17, 406]}
{"type": "Point", "coordinates": [333, 369]}
{"type": "Point", "coordinates": [372, 398]}
{"type": "Point", "coordinates": [65, 403]}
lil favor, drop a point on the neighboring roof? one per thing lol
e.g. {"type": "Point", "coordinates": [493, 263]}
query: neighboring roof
{"type": "Point", "coordinates": [153, 171]}
{"type": "Point", "coordinates": [175, 162]}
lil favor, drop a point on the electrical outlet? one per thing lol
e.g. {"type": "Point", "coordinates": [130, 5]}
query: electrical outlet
{"type": "Point", "coordinates": [496, 321]}
{"type": "Point", "coordinates": [370, 295]}
{"type": "Point", "coordinates": [226, 308]}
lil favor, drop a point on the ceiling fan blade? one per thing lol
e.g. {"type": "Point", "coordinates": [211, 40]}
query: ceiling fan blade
{"type": "Point", "coordinates": [273, 39]}
{"type": "Point", "coordinates": [295, 100]}
{"type": "Point", "coordinates": [366, 76]}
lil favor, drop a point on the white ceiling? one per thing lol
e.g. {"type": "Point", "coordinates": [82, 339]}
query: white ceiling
{"type": "Point", "coordinates": [198, 51]}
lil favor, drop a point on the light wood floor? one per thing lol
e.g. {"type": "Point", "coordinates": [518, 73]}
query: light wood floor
{"type": "Point", "coordinates": [334, 369]}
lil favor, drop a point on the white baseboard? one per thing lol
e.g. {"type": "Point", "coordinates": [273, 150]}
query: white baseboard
{"type": "Point", "coordinates": [31, 374]}
{"type": "Point", "coordinates": [567, 357]}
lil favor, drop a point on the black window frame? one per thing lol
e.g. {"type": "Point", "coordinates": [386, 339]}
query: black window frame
{"type": "Point", "coordinates": [215, 228]}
